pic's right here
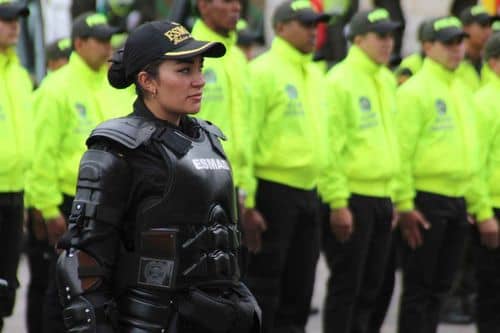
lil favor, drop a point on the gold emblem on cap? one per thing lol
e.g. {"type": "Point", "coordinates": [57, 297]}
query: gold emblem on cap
{"type": "Point", "coordinates": [177, 34]}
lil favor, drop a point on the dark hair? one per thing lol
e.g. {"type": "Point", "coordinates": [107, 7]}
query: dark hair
{"type": "Point", "coordinates": [152, 70]}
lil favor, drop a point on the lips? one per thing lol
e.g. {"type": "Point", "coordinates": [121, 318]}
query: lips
{"type": "Point", "coordinates": [195, 96]}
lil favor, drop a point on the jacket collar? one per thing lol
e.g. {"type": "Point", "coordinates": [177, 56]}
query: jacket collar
{"type": "Point", "coordinates": [85, 72]}
{"type": "Point", "coordinates": [362, 61]}
{"type": "Point", "coordinates": [187, 125]}
{"type": "Point", "coordinates": [8, 58]}
{"type": "Point", "coordinates": [438, 70]}
{"type": "Point", "coordinates": [290, 53]}
{"type": "Point", "coordinates": [203, 32]}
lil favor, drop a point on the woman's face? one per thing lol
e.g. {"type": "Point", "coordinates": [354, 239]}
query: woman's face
{"type": "Point", "coordinates": [179, 85]}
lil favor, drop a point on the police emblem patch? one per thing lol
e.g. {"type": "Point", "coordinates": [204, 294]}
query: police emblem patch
{"type": "Point", "coordinates": [364, 104]}
{"type": "Point", "coordinates": [440, 106]}
{"type": "Point", "coordinates": [156, 272]}
{"type": "Point", "coordinates": [80, 108]}
{"type": "Point", "coordinates": [210, 76]}
{"type": "Point", "coordinates": [291, 91]}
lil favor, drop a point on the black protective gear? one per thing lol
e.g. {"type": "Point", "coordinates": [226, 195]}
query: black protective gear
{"type": "Point", "coordinates": [153, 243]}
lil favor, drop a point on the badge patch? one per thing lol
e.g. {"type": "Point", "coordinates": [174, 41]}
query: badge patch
{"type": "Point", "coordinates": [210, 76]}
{"type": "Point", "coordinates": [82, 111]}
{"type": "Point", "coordinates": [156, 272]}
{"type": "Point", "coordinates": [291, 91]}
{"type": "Point", "coordinates": [440, 107]}
{"type": "Point", "coordinates": [364, 104]}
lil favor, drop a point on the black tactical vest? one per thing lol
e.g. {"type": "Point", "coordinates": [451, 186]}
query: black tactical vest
{"type": "Point", "coordinates": [189, 236]}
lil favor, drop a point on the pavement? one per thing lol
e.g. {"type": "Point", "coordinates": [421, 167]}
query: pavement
{"type": "Point", "coordinates": [16, 323]}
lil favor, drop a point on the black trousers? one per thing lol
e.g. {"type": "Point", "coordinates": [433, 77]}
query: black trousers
{"type": "Point", "coordinates": [282, 275]}
{"type": "Point", "coordinates": [11, 226]}
{"type": "Point", "coordinates": [357, 266]}
{"type": "Point", "coordinates": [488, 285]}
{"type": "Point", "coordinates": [52, 310]}
{"type": "Point", "coordinates": [39, 254]}
{"type": "Point", "coordinates": [386, 290]}
{"type": "Point", "coordinates": [428, 271]}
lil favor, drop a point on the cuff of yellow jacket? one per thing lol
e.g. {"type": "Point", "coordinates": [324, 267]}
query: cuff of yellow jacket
{"type": "Point", "coordinates": [339, 203]}
{"type": "Point", "coordinates": [405, 205]}
{"type": "Point", "coordinates": [484, 214]}
{"type": "Point", "coordinates": [249, 201]}
{"type": "Point", "coordinates": [50, 212]}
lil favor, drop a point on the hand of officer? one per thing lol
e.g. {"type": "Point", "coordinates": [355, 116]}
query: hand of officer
{"type": "Point", "coordinates": [410, 227]}
{"type": "Point", "coordinates": [253, 227]}
{"type": "Point", "coordinates": [55, 229]}
{"type": "Point", "coordinates": [395, 218]}
{"type": "Point", "coordinates": [341, 223]}
{"type": "Point", "coordinates": [38, 225]}
{"type": "Point", "coordinates": [489, 232]}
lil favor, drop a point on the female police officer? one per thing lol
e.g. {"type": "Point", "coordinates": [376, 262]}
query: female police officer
{"type": "Point", "coordinates": [152, 243]}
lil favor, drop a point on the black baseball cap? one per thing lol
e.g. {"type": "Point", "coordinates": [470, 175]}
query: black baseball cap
{"type": "Point", "coordinates": [10, 10]}
{"type": "Point", "coordinates": [154, 41]}
{"type": "Point", "coordinates": [300, 10]}
{"type": "Point", "coordinates": [422, 28]}
{"type": "Point", "coordinates": [376, 20]}
{"type": "Point", "coordinates": [443, 29]}
{"type": "Point", "coordinates": [58, 49]}
{"type": "Point", "coordinates": [476, 14]}
{"type": "Point", "coordinates": [492, 47]}
{"type": "Point", "coordinates": [92, 25]}
{"type": "Point", "coordinates": [245, 35]}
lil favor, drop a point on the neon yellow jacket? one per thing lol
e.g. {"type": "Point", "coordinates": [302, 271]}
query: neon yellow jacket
{"type": "Point", "coordinates": [363, 149]}
{"type": "Point", "coordinates": [469, 75]}
{"type": "Point", "coordinates": [413, 62]}
{"type": "Point", "coordinates": [288, 117]}
{"type": "Point", "coordinates": [487, 74]}
{"type": "Point", "coordinates": [438, 137]}
{"type": "Point", "coordinates": [226, 102]}
{"type": "Point", "coordinates": [488, 110]}
{"type": "Point", "coordinates": [70, 103]}
{"type": "Point", "coordinates": [16, 144]}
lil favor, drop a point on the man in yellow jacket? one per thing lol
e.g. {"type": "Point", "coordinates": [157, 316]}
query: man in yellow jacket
{"type": "Point", "coordinates": [440, 158]}
{"type": "Point", "coordinates": [487, 258]}
{"type": "Point", "coordinates": [477, 25]}
{"type": "Point", "coordinates": [282, 227]}
{"type": "Point", "coordinates": [15, 150]}
{"type": "Point", "coordinates": [359, 181]}
{"type": "Point", "coordinates": [226, 95]}
{"type": "Point", "coordinates": [69, 104]}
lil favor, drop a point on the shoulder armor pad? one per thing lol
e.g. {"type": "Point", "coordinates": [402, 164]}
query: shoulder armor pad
{"type": "Point", "coordinates": [211, 128]}
{"type": "Point", "coordinates": [131, 132]}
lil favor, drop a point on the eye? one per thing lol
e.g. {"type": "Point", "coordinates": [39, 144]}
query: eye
{"type": "Point", "coordinates": [184, 70]}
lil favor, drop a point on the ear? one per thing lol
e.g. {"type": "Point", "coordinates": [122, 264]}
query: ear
{"type": "Point", "coordinates": [279, 28]}
{"type": "Point", "coordinates": [357, 39]}
{"type": "Point", "coordinates": [146, 81]}
{"type": "Point", "coordinates": [78, 44]}
{"type": "Point", "coordinates": [426, 46]}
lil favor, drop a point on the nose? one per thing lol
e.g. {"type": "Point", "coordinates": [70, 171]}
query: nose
{"type": "Point", "coordinates": [199, 81]}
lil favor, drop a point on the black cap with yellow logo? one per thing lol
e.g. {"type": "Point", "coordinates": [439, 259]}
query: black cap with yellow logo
{"type": "Point", "coordinates": [300, 10]}
{"type": "Point", "coordinates": [377, 20]}
{"type": "Point", "coordinates": [11, 10]}
{"type": "Point", "coordinates": [154, 41]}
{"type": "Point", "coordinates": [93, 25]}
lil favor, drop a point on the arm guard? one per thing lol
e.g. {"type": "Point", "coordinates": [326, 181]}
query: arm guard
{"type": "Point", "coordinates": [92, 242]}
